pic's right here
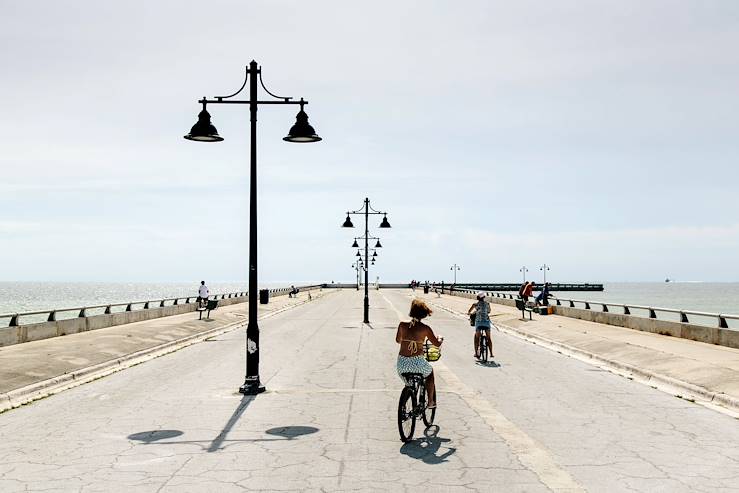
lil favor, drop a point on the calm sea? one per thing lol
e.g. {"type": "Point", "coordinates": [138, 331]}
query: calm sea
{"type": "Point", "coordinates": [32, 296]}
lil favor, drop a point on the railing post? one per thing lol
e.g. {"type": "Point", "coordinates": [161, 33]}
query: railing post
{"type": "Point", "coordinates": [587, 305]}
{"type": "Point", "coordinates": [572, 304]}
{"type": "Point", "coordinates": [161, 303]}
{"type": "Point", "coordinates": [83, 313]}
{"type": "Point", "coordinates": [52, 316]}
{"type": "Point", "coordinates": [722, 322]}
{"type": "Point", "coordinates": [146, 305]}
{"type": "Point", "coordinates": [605, 307]}
{"type": "Point", "coordinates": [559, 303]}
{"type": "Point", "coordinates": [107, 310]}
{"type": "Point", "coordinates": [128, 307]}
{"type": "Point", "coordinates": [652, 313]}
{"type": "Point", "coordinates": [175, 302]}
{"type": "Point", "coordinates": [13, 321]}
{"type": "Point", "coordinates": [626, 310]}
{"type": "Point", "coordinates": [683, 317]}
{"type": "Point", "coordinates": [187, 300]}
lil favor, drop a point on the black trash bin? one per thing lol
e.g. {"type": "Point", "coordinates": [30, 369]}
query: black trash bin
{"type": "Point", "coordinates": [425, 290]}
{"type": "Point", "coordinates": [264, 296]}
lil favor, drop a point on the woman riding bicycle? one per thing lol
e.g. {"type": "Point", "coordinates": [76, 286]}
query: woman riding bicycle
{"type": "Point", "coordinates": [411, 336]}
{"type": "Point", "coordinates": [481, 309]}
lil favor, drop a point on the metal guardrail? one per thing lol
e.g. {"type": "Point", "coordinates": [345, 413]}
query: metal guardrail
{"type": "Point", "coordinates": [507, 286]}
{"type": "Point", "coordinates": [82, 310]}
{"type": "Point", "coordinates": [721, 318]}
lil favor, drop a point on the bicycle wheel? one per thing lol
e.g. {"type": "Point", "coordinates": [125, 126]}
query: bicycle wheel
{"type": "Point", "coordinates": [483, 348]}
{"type": "Point", "coordinates": [406, 416]}
{"type": "Point", "coordinates": [428, 414]}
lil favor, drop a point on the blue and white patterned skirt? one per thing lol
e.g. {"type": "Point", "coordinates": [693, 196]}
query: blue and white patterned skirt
{"type": "Point", "coordinates": [413, 364]}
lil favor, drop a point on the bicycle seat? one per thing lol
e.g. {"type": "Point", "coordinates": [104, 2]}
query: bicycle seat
{"type": "Point", "coordinates": [412, 376]}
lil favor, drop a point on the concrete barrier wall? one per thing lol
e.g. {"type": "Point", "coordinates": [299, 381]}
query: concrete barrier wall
{"type": "Point", "coordinates": [700, 333]}
{"type": "Point", "coordinates": [45, 330]}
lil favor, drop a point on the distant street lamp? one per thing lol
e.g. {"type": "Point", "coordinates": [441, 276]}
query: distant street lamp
{"type": "Point", "coordinates": [366, 210]}
{"type": "Point", "coordinates": [358, 266]}
{"type": "Point", "coordinates": [204, 131]}
{"type": "Point", "coordinates": [455, 268]}
{"type": "Point", "coordinates": [544, 268]}
{"type": "Point", "coordinates": [524, 270]}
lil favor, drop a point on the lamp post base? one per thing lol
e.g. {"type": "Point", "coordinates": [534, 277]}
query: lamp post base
{"type": "Point", "coordinates": [252, 386]}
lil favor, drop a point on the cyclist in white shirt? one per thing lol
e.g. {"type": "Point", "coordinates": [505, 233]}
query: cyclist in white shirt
{"type": "Point", "coordinates": [202, 293]}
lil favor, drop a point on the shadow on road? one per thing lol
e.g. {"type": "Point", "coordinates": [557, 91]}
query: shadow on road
{"type": "Point", "coordinates": [218, 441]}
{"type": "Point", "coordinates": [291, 432]}
{"type": "Point", "coordinates": [154, 435]}
{"type": "Point", "coordinates": [162, 437]}
{"type": "Point", "coordinates": [427, 448]}
{"type": "Point", "coordinates": [489, 364]}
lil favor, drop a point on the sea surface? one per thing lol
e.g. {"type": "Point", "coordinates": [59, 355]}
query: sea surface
{"type": "Point", "coordinates": [18, 297]}
{"type": "Point", "coordinates": [33, 296]}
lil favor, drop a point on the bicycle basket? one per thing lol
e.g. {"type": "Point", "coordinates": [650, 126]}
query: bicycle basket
{"type": "Point", "coordinates": [432, 353]}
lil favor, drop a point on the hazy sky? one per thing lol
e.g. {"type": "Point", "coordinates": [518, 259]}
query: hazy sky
{"type": "Point", "coordinates": [599, 137]}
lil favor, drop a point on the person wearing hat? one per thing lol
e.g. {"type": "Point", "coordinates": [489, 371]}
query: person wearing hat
{"type": "Point", "coordinates": [481, 309]}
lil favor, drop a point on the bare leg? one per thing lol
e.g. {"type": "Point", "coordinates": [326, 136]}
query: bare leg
{"type": "Point", "coordinates": [431, 387]}
{"type": "Point", "coordinates": [490, 342]}
{"type": "Point", "coordinates": [477, 343]}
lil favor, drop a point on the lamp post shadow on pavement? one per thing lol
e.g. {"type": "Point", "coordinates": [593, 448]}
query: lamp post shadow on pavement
{"type": "Point", "coordinates": [301, 132]}
{"type": "Point", "coordinates": [366, 210]}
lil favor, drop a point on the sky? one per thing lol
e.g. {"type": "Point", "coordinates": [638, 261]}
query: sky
{"type": "Point", "coordinates": [598, 137]}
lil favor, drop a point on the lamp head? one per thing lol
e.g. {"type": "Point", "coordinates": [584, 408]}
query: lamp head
{"type": "Point", "coordinates": [203, 130]}
{"type": "Point", "coordinates": [384, 223]}
{"type": "Point", "coordinates": [377, 245]}
{"type": "Point", "coordinates": [347, 222]}
{"type": "Point", "coordinates": [355, 244]}
{"type": "Point", "coordinates": [302, 131]}
{"type": "Point", "coordinates": [358, 255]}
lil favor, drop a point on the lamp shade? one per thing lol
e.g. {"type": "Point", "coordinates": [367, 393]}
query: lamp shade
{"type": "Point", "coordinates": [302, 130]}
{"type": "Point", "coordinates": [377, 245]}
{"type": "Point", "coordinates": [374, 254]}
{"type": "Point", "coordinates": [203, 130]}
{"type": "Point", "coordinates": [347, 223]}
{"type": "Point", "coordinates": [384, 223]}
{"type": "Point", "coordinates": [358, 254]}
{"type": "Point", "coordinates": [355, 245]}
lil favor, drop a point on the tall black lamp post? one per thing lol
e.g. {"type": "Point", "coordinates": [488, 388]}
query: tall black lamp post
{"type": "Point", "coordinates": [204, 131]}
{"type": "Point", "coordinates": [366, 210]}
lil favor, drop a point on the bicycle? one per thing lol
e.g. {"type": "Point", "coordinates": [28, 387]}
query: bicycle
{"type": "Point", "coordinates": [483, 347]}
{"type": "Point", "coordinates": [413, 402]}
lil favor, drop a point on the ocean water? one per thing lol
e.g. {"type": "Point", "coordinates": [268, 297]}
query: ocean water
{"type": "Point", "coordinates": [35, 296]}
{"type": "Point", "coordinates": [32, 296]}
{"type": "Point", "coordinates": [711, 297]}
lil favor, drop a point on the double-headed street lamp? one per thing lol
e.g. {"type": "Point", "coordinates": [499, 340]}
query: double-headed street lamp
{"type": "Point", "coordinates": [544, 268]}
{"type": "Point", "coordinates": [523, 270]}
{"type": "Point", "coordinates": [455, 268]}
{"type": "Point", "coordinates": [366, 210]}
{"type": "Point", "coordinates": [358, 266]}
{"type": "Point", "coordinates": [204, 131]}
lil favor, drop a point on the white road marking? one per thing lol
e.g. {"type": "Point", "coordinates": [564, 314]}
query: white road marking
{"type": "Point", "coordinates": [532, 454]}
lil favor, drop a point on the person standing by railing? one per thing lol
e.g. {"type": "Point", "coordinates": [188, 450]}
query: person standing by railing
{"type": "Point", "coordinates": [203, 293]}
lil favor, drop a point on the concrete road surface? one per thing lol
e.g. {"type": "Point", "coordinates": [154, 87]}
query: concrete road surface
{"type": "Point", "coordinates": [533, 421]}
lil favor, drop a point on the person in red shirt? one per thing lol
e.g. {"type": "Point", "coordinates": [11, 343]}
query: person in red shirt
{"type": "Point", "coordinates": [528, 290]}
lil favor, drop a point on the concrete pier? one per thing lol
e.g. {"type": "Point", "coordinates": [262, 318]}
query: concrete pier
{"type": "Point", "coordinates": [537, 419]}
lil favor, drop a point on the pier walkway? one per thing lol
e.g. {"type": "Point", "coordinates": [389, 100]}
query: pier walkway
{"type": "Point", "coordinates": [536, 420]}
